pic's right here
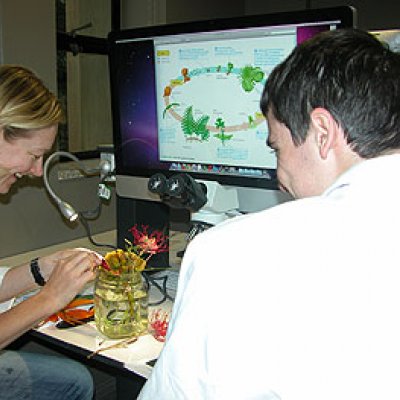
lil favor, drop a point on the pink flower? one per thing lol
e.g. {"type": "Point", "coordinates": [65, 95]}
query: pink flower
{"type": "Point", "coordinates": [132, 259]}
{"type": "Point", "coordinates": [149, 243]}
{"type": "Point", "coordinates": [159, 321]}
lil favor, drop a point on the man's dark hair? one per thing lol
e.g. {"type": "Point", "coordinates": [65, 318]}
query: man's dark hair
{"type": "Point", "coordinates": [351, 74]}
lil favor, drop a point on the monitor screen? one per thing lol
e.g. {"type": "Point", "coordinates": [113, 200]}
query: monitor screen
{"type": "Point", "coordinates": [185, 97]}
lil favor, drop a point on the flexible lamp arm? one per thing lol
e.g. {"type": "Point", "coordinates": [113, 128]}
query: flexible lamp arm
{"type": "Point", "coordinates": [66, 209]}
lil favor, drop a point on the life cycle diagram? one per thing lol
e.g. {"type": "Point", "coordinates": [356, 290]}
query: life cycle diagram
{"type": "Point", "coordinates": [208, 99]}
{"type": "Point", "coordinates": [202, 127]}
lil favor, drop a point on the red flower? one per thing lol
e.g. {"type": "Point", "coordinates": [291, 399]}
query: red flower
{"type": "Point", "coordinates": [105, 265]}
{"type": "Point", "coordinates": [132, 259]}
{"type": "Point", "coordinates": [159, 321]}
{"type": "Point", "coordinates": [149, 243]}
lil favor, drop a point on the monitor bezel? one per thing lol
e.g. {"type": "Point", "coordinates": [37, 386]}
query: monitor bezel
{"type": "Point", "coordinates": [345, 14]}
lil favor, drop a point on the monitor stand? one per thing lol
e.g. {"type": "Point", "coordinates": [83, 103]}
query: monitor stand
{"type": "Point", "coordinates": [142, 212]}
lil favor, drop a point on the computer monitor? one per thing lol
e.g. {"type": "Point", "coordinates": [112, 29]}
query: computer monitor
{"type": "Point", "coordinates": [389, 36]}
{"type": "Point", "coordinates": [185, 96]}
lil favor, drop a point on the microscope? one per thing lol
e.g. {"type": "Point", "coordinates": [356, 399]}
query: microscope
{"type": "Point", "coordinates": [208, 201]}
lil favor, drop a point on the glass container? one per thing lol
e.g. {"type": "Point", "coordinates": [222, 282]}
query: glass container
{"type": "Point", "coordinates": [121, 304]}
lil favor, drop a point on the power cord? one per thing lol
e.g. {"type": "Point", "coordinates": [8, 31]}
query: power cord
{"type": "Point", "coordinates": [151, 280]}
{"type": "Point", "coordinates": [85, 224]}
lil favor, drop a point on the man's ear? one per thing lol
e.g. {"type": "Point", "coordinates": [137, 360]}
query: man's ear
{"type": "Point", "coordinates": [325, 130]}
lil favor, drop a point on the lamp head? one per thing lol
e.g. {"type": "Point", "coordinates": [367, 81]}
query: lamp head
{"type": "Point", "coordinates": [67, 211]}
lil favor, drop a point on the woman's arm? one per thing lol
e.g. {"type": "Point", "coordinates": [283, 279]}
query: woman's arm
{"type": "Point", "coordinates": [19, 279]}
{"type": "Point", "coordinates": [66, 273]}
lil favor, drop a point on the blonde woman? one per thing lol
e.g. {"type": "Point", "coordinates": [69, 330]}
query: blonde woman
{"type": "Point", "coordinates": [29, 118]}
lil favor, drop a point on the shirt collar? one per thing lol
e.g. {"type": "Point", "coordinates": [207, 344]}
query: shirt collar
{"type": "Point", "coordinates": [369, 171]}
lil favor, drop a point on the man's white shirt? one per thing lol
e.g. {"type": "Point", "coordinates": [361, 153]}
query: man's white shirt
{"type": "Point", "coordinates": [297, 302]}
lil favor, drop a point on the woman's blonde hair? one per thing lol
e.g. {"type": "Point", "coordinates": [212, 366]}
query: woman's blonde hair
{"type": "Point", "coordinates": [25, 103]}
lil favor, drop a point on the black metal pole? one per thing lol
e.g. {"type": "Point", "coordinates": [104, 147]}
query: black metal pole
{"type": "Point", "coordinates": [115, 15]}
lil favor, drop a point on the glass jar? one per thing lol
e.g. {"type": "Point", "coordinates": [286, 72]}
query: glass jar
{"type": "Point", "coordinates": [121, 304]}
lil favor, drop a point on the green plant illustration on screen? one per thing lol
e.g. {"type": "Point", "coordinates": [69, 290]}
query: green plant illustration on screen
{"type": "Point", "coordinates": [169, 106]}
{"type": "Point", "coordinates": [220, 124]}
{"type": "Point", "coordinates": [250, 76]}
{"type": "Point", "coordinates": [230, 68]}
{"type": "Point", "coordinates": [198, 127]}
{"type": "Point", "coordinates": [251, 121]}
{"type": "Point", "coordinates": [223, 137]}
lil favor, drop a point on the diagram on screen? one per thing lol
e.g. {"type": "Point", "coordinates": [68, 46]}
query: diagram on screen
{"type": "Point", "coordinates": [202, 127]}
{"type": "Point", "coordinates": [208, 99]}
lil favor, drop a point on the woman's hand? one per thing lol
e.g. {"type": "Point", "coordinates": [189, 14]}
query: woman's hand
{"type": "Point", "coordinates": [67, 272]}
{"type": "Point", "coordinates": [48, 263]}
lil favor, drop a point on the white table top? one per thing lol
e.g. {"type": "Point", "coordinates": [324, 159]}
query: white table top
{"type": "Point", "coordinates": [135, 355]}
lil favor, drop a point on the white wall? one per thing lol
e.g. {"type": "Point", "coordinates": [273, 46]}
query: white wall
{"type": "Point", "coordinates": [28, 36]}
{"type": "Point", "coordinates": [29, 220]}
{"type": "Point", "coordinates": [372, 14]}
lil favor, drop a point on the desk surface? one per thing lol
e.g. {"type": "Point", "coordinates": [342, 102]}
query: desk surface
{"type": "Point", "coordinates": [85, 339]}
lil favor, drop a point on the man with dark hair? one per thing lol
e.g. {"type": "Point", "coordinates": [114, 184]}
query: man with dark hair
{"type": "Point", "coordinates": [300, 301]}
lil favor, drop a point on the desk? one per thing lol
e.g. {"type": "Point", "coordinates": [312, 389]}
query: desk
{"type": "Point", "coordinates": [85, 339]}
{"type": "Point", "coordinates": [128, 365]}
{"type": "Point", "coordinates": [81, 341]}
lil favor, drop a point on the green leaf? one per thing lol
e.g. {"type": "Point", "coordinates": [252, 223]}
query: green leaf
{"type": "Point", "coordinates": [188, 124]}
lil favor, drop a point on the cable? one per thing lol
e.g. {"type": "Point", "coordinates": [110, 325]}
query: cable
{"type": "Point", "coordinates": [89, 235]}
{"type": "Point", "coordinates": [150, 280]}
{"type": "Point", "coordinates": [92, 214]}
